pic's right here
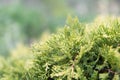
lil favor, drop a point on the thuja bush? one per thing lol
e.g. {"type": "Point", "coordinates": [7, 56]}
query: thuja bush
{"type": "Point", "coordinates": [79, 52]}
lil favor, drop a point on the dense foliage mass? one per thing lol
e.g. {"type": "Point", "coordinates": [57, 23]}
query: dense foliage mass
{"type": "Point", "coordinates": [80, 52]}
{"type": "Point", "coordinates": [77, 52]}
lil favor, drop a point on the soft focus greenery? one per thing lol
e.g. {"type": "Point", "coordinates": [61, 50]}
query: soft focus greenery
{"type": "Point", "coordinates": [21, 22]}
{"type": "Point", "coordinates": [15, 66]}
{"type": "Point", "coordinates": [79, 52]}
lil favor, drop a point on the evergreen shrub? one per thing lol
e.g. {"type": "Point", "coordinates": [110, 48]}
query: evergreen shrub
{"type": "Point", "coordinates": [79, 51]}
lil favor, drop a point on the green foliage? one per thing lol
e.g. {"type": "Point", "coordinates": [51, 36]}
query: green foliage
{"type": "Point", "coordinates": [79, 52]}
{"type": "Point", "coordinates": [15, 66]}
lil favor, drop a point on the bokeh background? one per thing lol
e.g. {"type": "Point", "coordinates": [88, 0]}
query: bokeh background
{"type": "Point", "coordinates": [26, 21]}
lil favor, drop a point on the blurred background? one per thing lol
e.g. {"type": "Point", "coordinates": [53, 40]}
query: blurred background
{"type": "Point", "coordinates": [27, 21]}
